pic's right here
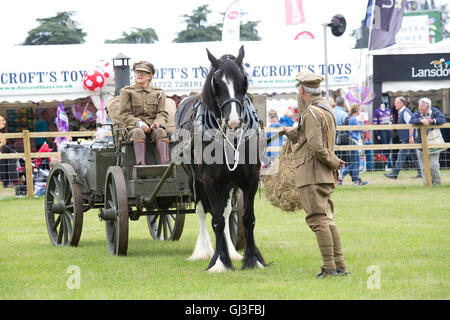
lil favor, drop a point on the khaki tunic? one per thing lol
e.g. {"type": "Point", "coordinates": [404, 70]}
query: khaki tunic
{"type": "Point", "coordinates": [137, 104]}
{"type": "Point", "coordinates": [314, 161]}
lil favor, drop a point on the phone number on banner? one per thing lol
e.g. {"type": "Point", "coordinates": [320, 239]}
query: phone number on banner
{"type": "Point", "coordinates": [178, 84]}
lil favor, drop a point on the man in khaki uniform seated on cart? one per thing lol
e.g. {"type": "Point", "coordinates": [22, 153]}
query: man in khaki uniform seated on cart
{"type": "Point", "coordinates": [143, 113]}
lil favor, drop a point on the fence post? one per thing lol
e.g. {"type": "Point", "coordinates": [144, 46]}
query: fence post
{"type": "Point", "coordinates": [28, 165]}
{"type": "Point", "coordinates": [426, 155]}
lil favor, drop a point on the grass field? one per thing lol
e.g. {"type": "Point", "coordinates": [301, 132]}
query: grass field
{"type": "Point", "coordinates": [395, 238]}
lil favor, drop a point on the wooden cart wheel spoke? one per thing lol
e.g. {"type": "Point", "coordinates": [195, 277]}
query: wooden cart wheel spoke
{"type": "Point", "coordinates": [63, 202]}
{"type": "Point", "coordinates": [113, 194]}
{"type": "Point", "coordinates": [61, 230]}
{"type": "Point", "coordinates": [169, 223]}
{"type": "Point", "coordinates": [160, 226]}
{"type": "Point", "coordinates": [166, 226]}
{"type": "Point", "coordinates": [59, 187]}
{"type": "Point", "coordinates": [116, 199]}
{"type": "Point", "coordinates": [53, 194]}
{"type": "Point", "coordinates": [111, 204]}
{"type": "Point", "coordinates": [112, 238]}
{"type": "Point", "coordinates": [236, 226]}
{"type": "Point", "coordinates": [66, 231]}
{"type": "Point", "coordinates": [70, 216]}
{"type": "Point", "coordinates": [67, 191]}
{"type": "Point", "coordinates": [57, 222]}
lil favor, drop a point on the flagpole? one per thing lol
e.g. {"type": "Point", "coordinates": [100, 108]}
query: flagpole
{"type": "Point", "coordinates": [325, 26]}
{"type": "Point", "coordinates": [372, 12]}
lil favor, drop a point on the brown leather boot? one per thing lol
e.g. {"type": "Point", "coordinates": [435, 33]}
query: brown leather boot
{"type": "Point", "coordinates": [139, 151]}
{"type": "Point", "coordinates": [162, 148]}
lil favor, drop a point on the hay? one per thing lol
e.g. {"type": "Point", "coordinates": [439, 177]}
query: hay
{"type": "Point", "coordinates": [280, 185]}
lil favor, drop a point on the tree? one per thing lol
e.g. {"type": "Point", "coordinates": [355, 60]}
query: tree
{"type": "Point", "coordinates": [147, 35]}
{"type": "Point", "coordinates": [248, 31]}
{"type": "Point", "coordinates": [198, 30]}
{"type": "Point", "coordinates": [60, 29]}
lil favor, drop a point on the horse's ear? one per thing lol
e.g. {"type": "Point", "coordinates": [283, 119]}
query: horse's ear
{"type": "Point", "coordinates": [240, 57]}
{"type": "Point", "coordinates": [215, 63]}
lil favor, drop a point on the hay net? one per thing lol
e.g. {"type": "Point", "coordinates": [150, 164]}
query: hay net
{"type": "Point", "coordinates": [279, 181]}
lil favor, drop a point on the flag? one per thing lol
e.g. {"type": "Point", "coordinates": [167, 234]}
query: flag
{"type": "Point", "coordinates": [387, 21]}
{"type": "Point", "coordinates": [294, 12]}
{"type": "Point", "coordinates": [368, 22]}
{"type": "Point", "coordinates": [232, 22]}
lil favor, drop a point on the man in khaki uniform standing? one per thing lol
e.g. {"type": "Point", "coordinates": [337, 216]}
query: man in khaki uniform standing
{"type": "Point", "coordinates": [316, 169]}
{"type": "Point", "coordinates": [142, 112]}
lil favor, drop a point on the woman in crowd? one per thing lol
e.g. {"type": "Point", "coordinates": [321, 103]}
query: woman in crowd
{"type": "Point", "coordinates": [353, 167]}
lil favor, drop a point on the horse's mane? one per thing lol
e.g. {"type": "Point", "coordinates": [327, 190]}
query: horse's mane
{"type": "Point", "coordinates": [229, 67]}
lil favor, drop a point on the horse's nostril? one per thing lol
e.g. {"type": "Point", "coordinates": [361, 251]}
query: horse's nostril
{"type": "Point", "coordinates": [233, 124]}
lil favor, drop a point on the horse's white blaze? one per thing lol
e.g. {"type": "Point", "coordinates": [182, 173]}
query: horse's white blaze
{"type": "Point", "coordinates": [203, 247]}
{"type": "Point", "coordinates": [234, 255]}
{"type": "Point", "coordinates": [218, 266]}
{"type": "Point", "coordinates": [234, 116]}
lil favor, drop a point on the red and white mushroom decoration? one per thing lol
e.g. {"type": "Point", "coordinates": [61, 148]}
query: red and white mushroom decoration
{"type": "Point", "coordinates": [93, 80]}
{"type": "Point", "coordinates": [294, 113]}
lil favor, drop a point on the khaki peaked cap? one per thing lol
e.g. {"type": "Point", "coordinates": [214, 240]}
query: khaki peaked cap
{"type": "Point", "coordinates": [144, 66]}
{"type": "Point", "coordinates": [308, 79]}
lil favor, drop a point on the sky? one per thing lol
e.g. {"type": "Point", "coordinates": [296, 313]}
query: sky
{"type": "Point", "coordinates": [107, 19]}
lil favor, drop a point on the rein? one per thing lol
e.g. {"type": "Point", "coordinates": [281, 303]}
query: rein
{"type": "Point", "coordinates": [236, 152]}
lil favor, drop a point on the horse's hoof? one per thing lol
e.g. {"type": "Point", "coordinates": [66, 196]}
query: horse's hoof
{"type": "Point", "coordinates": [197, 258]}
{"type": "Point", "coordinates": [200, 256]}
{"type": "Point", "coordinates": [254, 261]}
{"type": "Point", "coordinates": [204, 251]}
{"type": "Point", "coordinates": [253, 265]}
{"type": "Point", "coordinates": [218, 266]}
{"type": "Point", "coordinates": [236, 256]}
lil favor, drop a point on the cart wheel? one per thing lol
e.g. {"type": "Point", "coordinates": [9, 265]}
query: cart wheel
{"type": "Point", "coordinates": [166, 226]}
{"type": "Point", "coordinates": [63, 206]}
{"type": "Point", "coordinates": [116, 212]}
{"type": "Point", "coordinates": [237, 232]}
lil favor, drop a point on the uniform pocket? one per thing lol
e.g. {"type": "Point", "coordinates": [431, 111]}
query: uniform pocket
{"type": "Point", "coordinates": [151, 105]}
{"type": "Point", "coordinates": [299, 161]}
{"type": "Point", "coordinates": [137, 105]}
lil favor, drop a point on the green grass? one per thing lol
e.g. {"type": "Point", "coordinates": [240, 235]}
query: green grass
{"type": "Point", "coordinates": [401, 229]}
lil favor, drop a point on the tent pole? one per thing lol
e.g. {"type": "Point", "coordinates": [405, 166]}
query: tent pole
{"type": "Point", "coordinates": [325, 26]}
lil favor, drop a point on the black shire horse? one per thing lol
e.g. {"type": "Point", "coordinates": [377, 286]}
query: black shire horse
{"type": "Point", "coordinates": [220, 109]}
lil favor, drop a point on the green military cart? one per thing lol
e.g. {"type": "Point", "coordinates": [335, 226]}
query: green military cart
{"type": "Point", "coordinates": [102, 175]}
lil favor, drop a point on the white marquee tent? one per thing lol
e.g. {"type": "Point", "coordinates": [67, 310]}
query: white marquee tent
{"type": "Point", "coordinates": [54, 73]}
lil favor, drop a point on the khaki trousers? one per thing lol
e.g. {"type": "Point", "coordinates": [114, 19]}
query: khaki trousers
{"type": "Point", "coordinates": [137, 134]}
{"type": "Point", "coordinates": [319, 208]}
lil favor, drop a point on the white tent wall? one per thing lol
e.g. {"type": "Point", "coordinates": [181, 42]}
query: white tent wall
{"type": "Point", "coordinates": [280, 106]}
{"type": "Point", "coordinates": [54, 73]}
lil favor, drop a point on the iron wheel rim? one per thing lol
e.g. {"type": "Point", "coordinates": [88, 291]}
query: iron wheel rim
{"type": "Point", "coordinates": [63, 206]}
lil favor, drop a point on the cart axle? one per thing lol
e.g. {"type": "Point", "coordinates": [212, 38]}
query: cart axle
{"type": "Point", "coordinates": [108, 214]}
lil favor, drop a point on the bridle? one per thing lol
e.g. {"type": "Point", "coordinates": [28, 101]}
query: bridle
{"type": "Point", "coordinates": [222, 121]}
